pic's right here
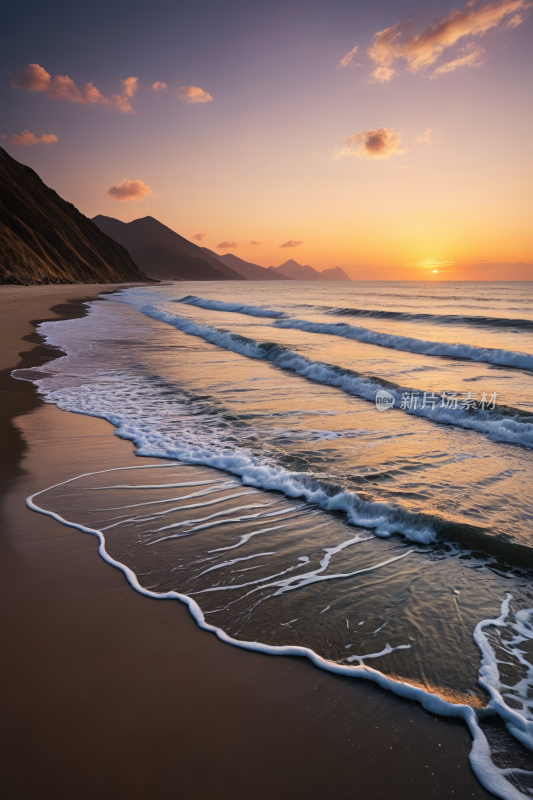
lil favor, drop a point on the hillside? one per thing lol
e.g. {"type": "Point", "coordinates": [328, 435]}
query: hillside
{"type": "Point", "coordinates": [299, 272]}
{"type": "Point", "coordinates": [252, 272]}
{"type": "Point", "coordinates": [164, 254]}
{"type": "Point", "coordinates": [45, 239]}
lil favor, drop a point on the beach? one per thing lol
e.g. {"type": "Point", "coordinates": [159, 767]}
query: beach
{"type": "Point", "coordinates": [114, 695]}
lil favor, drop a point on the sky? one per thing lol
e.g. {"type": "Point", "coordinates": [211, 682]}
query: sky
{"type": "Point", "coordinates": [392, 139]}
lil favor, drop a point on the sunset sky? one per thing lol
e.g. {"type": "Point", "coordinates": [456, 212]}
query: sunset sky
{"type": "Point", "coordinates": [392, 139]}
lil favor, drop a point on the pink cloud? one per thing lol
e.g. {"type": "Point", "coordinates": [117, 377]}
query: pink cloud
{"type": "Point", "coordinates": [377, 143]}
{"type": "Point", "coordinates": [290, 243]}
{"type": "Point", "coordinates": [193, 94]}
{"type": "Point", "coordinates": [129, 86]}
{"type": "Point", "coordinates": [348, 59]}
{"type": "Point", "coordinates": [424, 49]}
{"type": "Point", "coordinates": [199, 237]}
{"type": "Point", "coordinates": [225, 245]}
{"type": "Point", "coordinates": [26, 138]}
{"type": "Point", "coordinates": [472, 57]}
{"type": "Point", "coordinates": [35, 78]}
{"type": "Point", "coordinates": [426, 136]}
{"type": "Point", "coordinates": [158, 86]}
{"type": "Point", "coordinates": [129, 190]}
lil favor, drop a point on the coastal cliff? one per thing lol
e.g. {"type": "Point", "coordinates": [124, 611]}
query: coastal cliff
{"type": "Point", "coordinates": [45, 239]}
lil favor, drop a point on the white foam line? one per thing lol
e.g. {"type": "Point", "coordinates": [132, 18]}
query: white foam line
{"type": "Point", "coordinates": [211, 516]}
{"type": "Point", "coordinates": [245, 538]}
{"type": "Point", "coordinates": [386, 649]}
{"type": "Point", "coordinates": [480, 758]}
{"type": "Point", "coordinates": [379, 629]}
{"type": "Point", "coordinates": [308, 577]}
{"type": "Point", "coordinates": [235, 561]}
{"type": "Point", "coordinates": [503, 358]}
{"type": "Point", "coordinates": [149, 486]}
{"type": "Point", "coordinates": [517, 725]}
{"type": "Point", "coordinates": [151, 517]}
{"type": "Point", "coordinates": [222, 487]}
{"type": "Point", "coordinates": [245, 518]}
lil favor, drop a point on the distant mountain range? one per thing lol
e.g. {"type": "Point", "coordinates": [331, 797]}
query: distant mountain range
{"type": "Point", "coordinates": [253, 272]}
{"type": "Point", "coordinates": [289, 271]}
{"type": "Point", "coordinates": [45, 239]}
{"type": "Point", "coordinates": [306, 273]}
{"type": "Point", "coordinates": [164, 254]}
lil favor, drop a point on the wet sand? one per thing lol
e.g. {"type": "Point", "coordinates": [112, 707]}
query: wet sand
{"type": "Point", "coordinates": [108, 694]}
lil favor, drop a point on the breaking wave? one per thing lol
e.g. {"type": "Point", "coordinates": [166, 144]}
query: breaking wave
{"type": "Point", "coordinates": [446, 319]}
{"type": "Point", "coordinates": [500, 425]}
{"type": "Point", "coordinates": [502, 358]}
{"type": "Point", "coordinates": [219, 305]}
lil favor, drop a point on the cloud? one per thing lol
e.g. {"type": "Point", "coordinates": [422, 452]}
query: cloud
{"type": "Point", "coordinates": [377, 143]}
{"type": "Point", "coordinates": [347, 60]}
{"type": "Point", "coordinates": [426, 136]}
{"type": "Point", "coordinates": [472, 58]}
{"type": "Point", "coordinates": [34, 78]}
{"type": "Point", "coordinates": [199, 237]}
{"type": "Point", "coordinates": [383, 74]}
{"type": "Point", "coordinates": [193, 94]}
{"type": "Point", "coordinates": [158, 86]}
{"type": "Point", "coordinates": [29, 138]}
{"type": "Point", "coordinates": [225, 245]}
{"type": "Point", "coordinates": [129, 190]}
{"type": "Point", "coordinates": [424, 49]}
{"type": "Point", "coordinates": [129, 86]}
{"type": "Point", "coordinates": [290, 243]}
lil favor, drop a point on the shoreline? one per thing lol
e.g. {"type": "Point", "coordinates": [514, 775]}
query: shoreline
{"type": "Point", "coordinates": [112, 694]}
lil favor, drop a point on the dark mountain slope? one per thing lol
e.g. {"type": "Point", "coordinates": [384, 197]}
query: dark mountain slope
{"type": "Point", "coordinates": [252, 272]}
{"type": "Point", "coordinates": [191, 262]}
{"type": "Point", "coordinates": [45, 239]}
{"type": "Point", "coordinates": [162, 263]}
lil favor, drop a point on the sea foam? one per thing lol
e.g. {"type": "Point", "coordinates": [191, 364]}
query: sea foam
{"type": "Point", "coordinates": [219, 305]}
{"type": "Point", "coordinates": [500, 427]}
{"type": "Point", "coordinates": [490, 776]}
{"type": "Point", "coordinates": [503, 358]}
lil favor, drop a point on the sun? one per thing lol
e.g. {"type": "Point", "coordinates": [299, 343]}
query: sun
{"type": "Point", "coordinates": [435, 271]}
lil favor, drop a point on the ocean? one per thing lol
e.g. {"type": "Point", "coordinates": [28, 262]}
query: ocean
{"type": "Point", "coordinates": [345, 474]}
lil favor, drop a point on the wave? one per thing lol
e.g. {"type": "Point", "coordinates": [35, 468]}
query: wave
{"type": "Point", "coordinates": [219, 305]}
{"type": "Point", "coordinates": [518, 722]}
{"type": "Point", "coordinates": [503, 358]}
{"type": "Point", "coordinates": [502, 425]}
{"type": "Point", "coordinates": [445, 319]}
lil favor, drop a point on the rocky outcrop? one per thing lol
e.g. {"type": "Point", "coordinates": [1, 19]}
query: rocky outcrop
{"type": "Point", "coordinates": [45, 239]}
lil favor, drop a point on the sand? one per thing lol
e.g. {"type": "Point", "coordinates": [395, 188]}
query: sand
{"type": "Point", "coordinates": [108, 694]}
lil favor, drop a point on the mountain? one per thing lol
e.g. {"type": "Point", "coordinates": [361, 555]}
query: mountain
{"type": "Point", "coordinates": [252, 272]}
{"type": "Point", "coordinates": [164, 254]}
{"type": "Point", "coordinates": [306, 273]}
{"type": "Point", "coordinates": [334, 274]}
{"type": "Point", "coordinates": [45, 239]}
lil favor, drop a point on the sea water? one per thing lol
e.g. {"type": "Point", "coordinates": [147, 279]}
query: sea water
{"type": "Point", "coordinates": [293, 512]}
